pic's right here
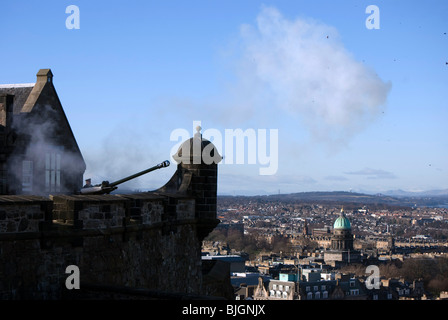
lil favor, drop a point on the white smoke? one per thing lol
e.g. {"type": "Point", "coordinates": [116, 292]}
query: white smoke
{"type": "Point", "coordinates": [127, 150]}
{"type": "Point", "coordinates": [290, 75]}
{"type": "Point", "coordinates": [301, 69]}
{"type": "Point", "coordinates": [40, 138]}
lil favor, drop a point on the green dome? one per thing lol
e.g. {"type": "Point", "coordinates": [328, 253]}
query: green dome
{"type": "Point", "coordinates": [342, 222]}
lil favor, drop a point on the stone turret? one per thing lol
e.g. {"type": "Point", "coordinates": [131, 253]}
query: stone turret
{"type": "Point", "coordinates": [197, 176]}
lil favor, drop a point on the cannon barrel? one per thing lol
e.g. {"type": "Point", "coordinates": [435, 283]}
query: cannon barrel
{"type": "Point", "coordinates": [163, 164]}
{"type": "Point", "coordinates": [106, 187]}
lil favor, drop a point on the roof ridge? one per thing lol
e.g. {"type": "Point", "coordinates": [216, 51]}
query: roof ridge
{"type": "Point", "coordinates": [17, 85]}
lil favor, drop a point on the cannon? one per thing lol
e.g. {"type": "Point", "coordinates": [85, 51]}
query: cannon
{"type": "Point", "coordinates": [107, 187]}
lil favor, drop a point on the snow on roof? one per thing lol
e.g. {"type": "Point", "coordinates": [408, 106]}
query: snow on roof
{"type": "Point", "coordinates": [17, 85]}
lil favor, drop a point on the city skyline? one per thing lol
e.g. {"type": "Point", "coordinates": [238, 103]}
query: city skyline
{"type": "Point", "coordinates": [355, 108]}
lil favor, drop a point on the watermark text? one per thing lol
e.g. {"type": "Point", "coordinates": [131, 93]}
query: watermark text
{"type": "Point", "coordinates": [72, 281]}
{"type": "Point", "coordinates": [73, 20]}
{"type": "Point", "coordinates": [373, 20]}
{"type": "Point", "coordinates": [240, 146]}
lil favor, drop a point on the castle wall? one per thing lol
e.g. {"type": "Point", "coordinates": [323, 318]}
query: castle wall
{"type": "Point", "coordinates": [145, 240]}
{"type": "Point", "coordinates": [146, 244]}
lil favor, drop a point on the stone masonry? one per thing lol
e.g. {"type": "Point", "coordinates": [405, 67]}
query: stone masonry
{"type": "Point", "coordinates": [121, 243]}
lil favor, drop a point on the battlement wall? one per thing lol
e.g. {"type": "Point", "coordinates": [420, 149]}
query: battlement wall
{"type": "Point", "coordinates": [23, 213]}
{"type": "Point", "coordinates": [125, 242]}
{"type": "Point", "coordinates": [144, 240]}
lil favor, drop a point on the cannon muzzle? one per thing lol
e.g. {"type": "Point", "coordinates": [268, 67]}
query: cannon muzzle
{"type": "Point", "coordinates": [106, 187]}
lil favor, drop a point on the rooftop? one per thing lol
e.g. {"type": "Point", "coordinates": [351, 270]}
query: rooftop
{"type": "Point", "coordinates": [17, 85]}
{"type": "Point", "coordinates": [342, 222]}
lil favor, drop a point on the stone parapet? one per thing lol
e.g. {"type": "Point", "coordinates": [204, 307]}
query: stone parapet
{"type": "Point", "coordinates": [149, 240]}
{"type": "Point", "coordinates": [24, 213]}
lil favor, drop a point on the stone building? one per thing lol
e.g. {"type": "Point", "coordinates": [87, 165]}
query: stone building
{"type": "Point", "coordinates": [342, 238]}
{"type": "Point", "coordinates": [386, 244]}
{"type": "Point", "coordinates": [39, 154]}
{"type": "Point", "coordinates": [341, 249]}
{"type": "Point", "coordinates": [311, 287]}
{"type": "Point", "coordinates": [134, 246]}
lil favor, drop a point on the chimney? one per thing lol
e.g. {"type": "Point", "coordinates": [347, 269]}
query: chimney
{"type": "Point", "coordinates": [44, 75]}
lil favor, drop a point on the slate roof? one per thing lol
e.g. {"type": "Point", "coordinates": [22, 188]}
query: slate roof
{"type": "Point", "coordinates": [21, 93]}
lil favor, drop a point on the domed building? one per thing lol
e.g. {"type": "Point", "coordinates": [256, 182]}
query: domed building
{"type": "Point", "coordinates": [342, 238]}
{"type": "Point", "coordinates": [341, 249]}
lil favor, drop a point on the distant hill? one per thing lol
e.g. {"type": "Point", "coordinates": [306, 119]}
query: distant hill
{"type": "Point", "coordinates": [339, 196]}
{"type": "Point", "coordinates": [354, 197]}
{"type": "Point", "coordinates": [430, 193]}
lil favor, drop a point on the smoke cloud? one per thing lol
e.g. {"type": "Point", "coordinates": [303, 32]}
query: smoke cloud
{"type": "Point", "coordinates": [302, 69]}
{"type": "Point", "coordinates": [41, 163]}
{"type": "Point", "coordinates": [126, 150]}
{"type": "Point", "coordinates": [294, 75]}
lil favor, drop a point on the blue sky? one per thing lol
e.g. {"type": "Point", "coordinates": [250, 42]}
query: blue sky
{"type": "Point", "coordinates": [355, 108]}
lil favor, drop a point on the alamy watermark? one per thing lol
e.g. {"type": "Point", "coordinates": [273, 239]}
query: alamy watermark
{"type": "Point", "coordinates": [73, 20]}
{"type": "Point", "coordinates": [373, 20]}
{"type": "Point", "coordinates": [257, 150]}
{"type": "Point", "coordinates": [72, 281]}
{"type": "Point", "coordinates": [373, 280]}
